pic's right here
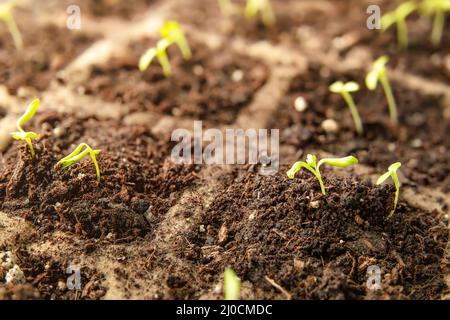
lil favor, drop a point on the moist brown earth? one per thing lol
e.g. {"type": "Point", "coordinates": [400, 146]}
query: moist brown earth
{"type": "Point", "coordinates": [138, 184]}
{"type": "Point", "coordinates": [46, 51]}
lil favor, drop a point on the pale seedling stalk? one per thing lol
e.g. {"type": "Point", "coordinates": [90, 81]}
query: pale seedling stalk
{"type": "Point", "coordinates": [438, 8]}
{"type": "Point", "coordinates": [171, 33]}
{"type": "Point", "coordinates": [378, 73]}
{"type": "Point", "coordinates": [22, 134]}
{"type": "Point", "coordinates": [345, 89]}
{"type": "Point", "coordinates": [392, 172]}
{"type": "Point", "coordinates": [79, 154]}
{"type": "Point", "coordinates": [312, 166]}
{"type": "Point", "coordinates": [7, 17]}
{"type": "Point", "coordinates": [231, 285]}
{"type": "Point", "coordinates": [264, 6]}
{"type": "Point", "coordinates": [398, 17]}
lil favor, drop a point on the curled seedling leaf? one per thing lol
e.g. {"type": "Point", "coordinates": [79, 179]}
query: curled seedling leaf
{"type": "Point", "coordinates": [392, 172]}
{"type": "Point", "coordinates": [231, 285]}
{"type": "Point", "coordinates": [7, 17]}
{"type": "Point", "coordinates": [22, 134]}
{"type": "Point", "coordinates": [378, 73]}
{"type": "Point", "coordinates": [313, 166]}
{"type": "Point", "coordinates": [436, 8]}
{"type": "Point", "coordinates": [345, 89]}
{"type": "Point", "coordinates": [398, 17]}
{"type": "Point", "coordinates": [79, 154]}
{"type": "Point", "coordinates": [265, 7]}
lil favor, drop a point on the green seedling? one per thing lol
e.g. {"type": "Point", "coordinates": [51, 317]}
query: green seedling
{"type": "Point", "coordinates": [22, 134]}
{"type": "Point", "coordinates": [436, 8]}
{"type": "Point", "coordinates": [171, 33]}
{"type": "Point", "coordinates": [7, 17]}
{"type": "Point", "coordinates": [231, 285]}
{"type": "Point", "coordinates": [264, 6]}
{"type": "Point", "coordinates": [79, 154]}
{"type": "Point", "coordinates": [312, 166]}
{"type": "Point", "coordinates": [392, 172]}
{"type": "Point", "coordinates": [345, 89]}
{"type": "Point", "coordinates": [398, 17]}
{"type": "Point", "coordinates": [378, 73]}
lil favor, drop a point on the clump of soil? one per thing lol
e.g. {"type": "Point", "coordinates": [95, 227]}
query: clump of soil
{"type": "Point", "coordinates": [316, 246]}
{"type": "Point", "coordinates": [47, 279]}
{"type": "Point", "coordinates": [138, 182]}
{"type": "Point", "coordinates": [213, 85]}
{"type": "Point", "coordinates": [47, 50]}
{"type": "Point", "coordinates": [420, 141]}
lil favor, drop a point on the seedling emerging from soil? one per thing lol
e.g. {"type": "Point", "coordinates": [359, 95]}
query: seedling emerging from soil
{"type": "Point", "coordinates": [7, 17]}
{"type": "Point", "coordinates": [252, 8]}
{"type": "Point", "coordinates": [171, 33]}
{"type": "Point", "coordinates": [392, 172]}
{"type": "Point", "coordinates": [312, 166]}
{"type": "Point", "coordinates": [231, 285]}
{"type": "Point", "coordinates": [378, 73]}
{"type": "Point", "coordinates": [345, 89]}
{"type": "Point", "coordinates": [398, 17]}
{"type": "Point", "coordinates": [79, 154]}
{"type": "Point", "coordinates": [22, 134]}
{"type": "Point", "coordinates": [436, 8]}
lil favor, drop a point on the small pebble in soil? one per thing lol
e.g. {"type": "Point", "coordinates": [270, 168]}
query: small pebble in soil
{"type": "Point", "coordinates": [237, 75]}
{"type": "Point", "coordinates": [330, 126]}
{"type": "Point", "coordinates": [202, 228]}
{"type": "Point", "coordinates": [15, 276]}
{"type": "Point", "coordinates": [300, 104]}
{"type": "Point", "coordinates": [7, 260]}
{"type": "Point", "coordinates": [314, 204]}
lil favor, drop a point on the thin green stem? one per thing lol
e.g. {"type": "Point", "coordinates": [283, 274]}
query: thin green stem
{"type": "Point", "coordinates": [319, 177]}
{"type": "Point", "coordinates": [438, 27]}
{"type": "Point", "coordinates": [30, 144]}
{"type": "Point", "coordinates": [354, 111]}
{"type": "Point", "coordinates": [390, 97]}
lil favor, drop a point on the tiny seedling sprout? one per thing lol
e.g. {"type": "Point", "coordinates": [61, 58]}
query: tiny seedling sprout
{"type": "Point", "coordinates": [345, 89]}
{"type": "Point", "coordinates": [392, 172]}
{"type": "Point", "coordinates": [231, 285]}
{"type": "Point", "coordinates": [254, 6]}
{"type": "Point", "coordinates": [398, 17]}
{"type": "Point", "coordinates": [22, 134]}
{"type": "Point", "coordinates": [312, 166]}
{"type": "Point", "coordinates": [79, 154]}
{"type": "Point", "coordinates": [436, 8]}
{"type": "Point", "coordinates": [171, 33]}
{"type": "Point", "coordinates": [378, 73]}
{"type": "Point", "coordinates": [7, 17]}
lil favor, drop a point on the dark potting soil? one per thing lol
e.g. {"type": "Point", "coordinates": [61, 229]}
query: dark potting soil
{"type": "Point", "coordinates": [315, 246]}
{"type": "Point", "coordinates": [138, 184]}
{"type": "Point", "coordinates": [213, 85]}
